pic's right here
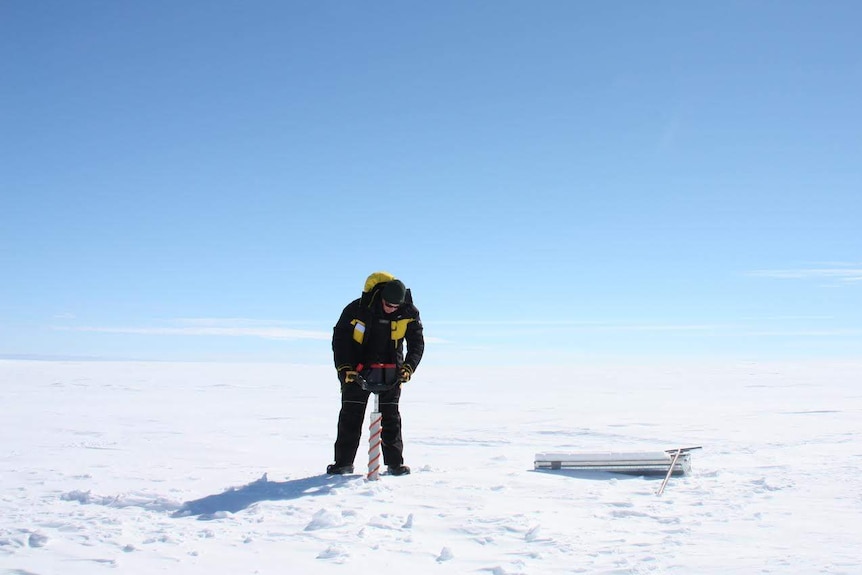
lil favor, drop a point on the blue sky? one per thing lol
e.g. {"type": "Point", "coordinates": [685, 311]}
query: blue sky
{"type": "Point", "coordinates": [556, 181]}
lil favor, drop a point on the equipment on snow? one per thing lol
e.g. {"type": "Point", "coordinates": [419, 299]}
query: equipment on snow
{"type": "Point", "coordinates": [669, 462]}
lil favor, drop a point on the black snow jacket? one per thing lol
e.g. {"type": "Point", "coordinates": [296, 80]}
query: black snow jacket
{"type": "Point", "coordinates": [365, 335]}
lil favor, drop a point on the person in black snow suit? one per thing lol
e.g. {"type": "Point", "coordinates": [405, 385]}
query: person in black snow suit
{"type": "Point", "coordinates": [368, 346]}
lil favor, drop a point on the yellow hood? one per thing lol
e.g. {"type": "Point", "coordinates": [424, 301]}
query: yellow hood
{"type": "Point", "coordinates": [376, 278]}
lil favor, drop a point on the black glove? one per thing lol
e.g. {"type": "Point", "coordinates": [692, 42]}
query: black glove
{"type": "Point", "coordinates": [347, 374]}
{"type": "Point", "coordinates": [404, 374]}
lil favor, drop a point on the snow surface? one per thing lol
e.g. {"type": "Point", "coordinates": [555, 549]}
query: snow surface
{"type": "Point", "coordinates": [217, 468]}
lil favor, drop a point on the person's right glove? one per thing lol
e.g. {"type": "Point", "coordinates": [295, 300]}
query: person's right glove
{"type": "Point", "coordinates": [347, 374]}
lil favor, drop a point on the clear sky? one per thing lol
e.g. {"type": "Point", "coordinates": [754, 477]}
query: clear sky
{"type": "Point", "coordinates": [555, 180]}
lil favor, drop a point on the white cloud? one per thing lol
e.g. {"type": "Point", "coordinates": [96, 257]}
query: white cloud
{"type": "Point", "coordinates": [808, 333]}
{"type": "Point", "coordinates": [842, 272]}
{"type": "Point", "coordinates": [230, 328]}
{"type": "Point", "coordinates": [229, 322]}
{"type": "Point", "coordinates": [582, 325]}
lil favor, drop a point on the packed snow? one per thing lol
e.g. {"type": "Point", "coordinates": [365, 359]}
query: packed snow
{"type": "Point", "coordinates": [219, 468]}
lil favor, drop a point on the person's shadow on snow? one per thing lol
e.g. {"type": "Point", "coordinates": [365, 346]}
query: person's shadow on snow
{"type": "Point", "coordinates": [239, 498]}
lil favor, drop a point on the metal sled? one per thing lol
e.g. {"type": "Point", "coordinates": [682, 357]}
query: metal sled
{"type": "Point", "coordinates": [663, 463]}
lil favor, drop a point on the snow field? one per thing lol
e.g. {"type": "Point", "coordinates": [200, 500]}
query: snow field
{"type": "Point", "coordinates": [202, 468]}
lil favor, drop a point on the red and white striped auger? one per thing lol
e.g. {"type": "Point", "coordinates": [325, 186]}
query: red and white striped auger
{"type": "Point", "coordinates": [375, 429]}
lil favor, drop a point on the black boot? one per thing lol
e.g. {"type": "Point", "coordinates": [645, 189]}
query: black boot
{"type": "Point", "coordinates": [336, 469]}
{"type": "Point", "coordinates": [399, 470]}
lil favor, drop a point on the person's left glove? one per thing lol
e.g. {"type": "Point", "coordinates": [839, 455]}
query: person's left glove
{"type": "Point", "coordinates": [404, 374]}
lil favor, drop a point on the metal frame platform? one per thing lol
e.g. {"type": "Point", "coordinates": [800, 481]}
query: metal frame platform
{"type": "Point", "coordinates": [630, 463]}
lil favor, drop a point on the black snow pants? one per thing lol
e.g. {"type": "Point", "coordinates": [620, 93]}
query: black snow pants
{"type": "Point", "coordinates": [350, 419]}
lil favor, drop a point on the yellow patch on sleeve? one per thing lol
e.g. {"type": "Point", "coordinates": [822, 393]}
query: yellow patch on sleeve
{"type": "Point", "coordinates": [358, 331]}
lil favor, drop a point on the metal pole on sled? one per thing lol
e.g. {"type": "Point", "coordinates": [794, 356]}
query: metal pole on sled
{"type": "Point", "coordinates": [374, 439]}
{"type": "Point", "coordinates": [676, 454]}
{"type": "Point", "coordinates": [669, 472]}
